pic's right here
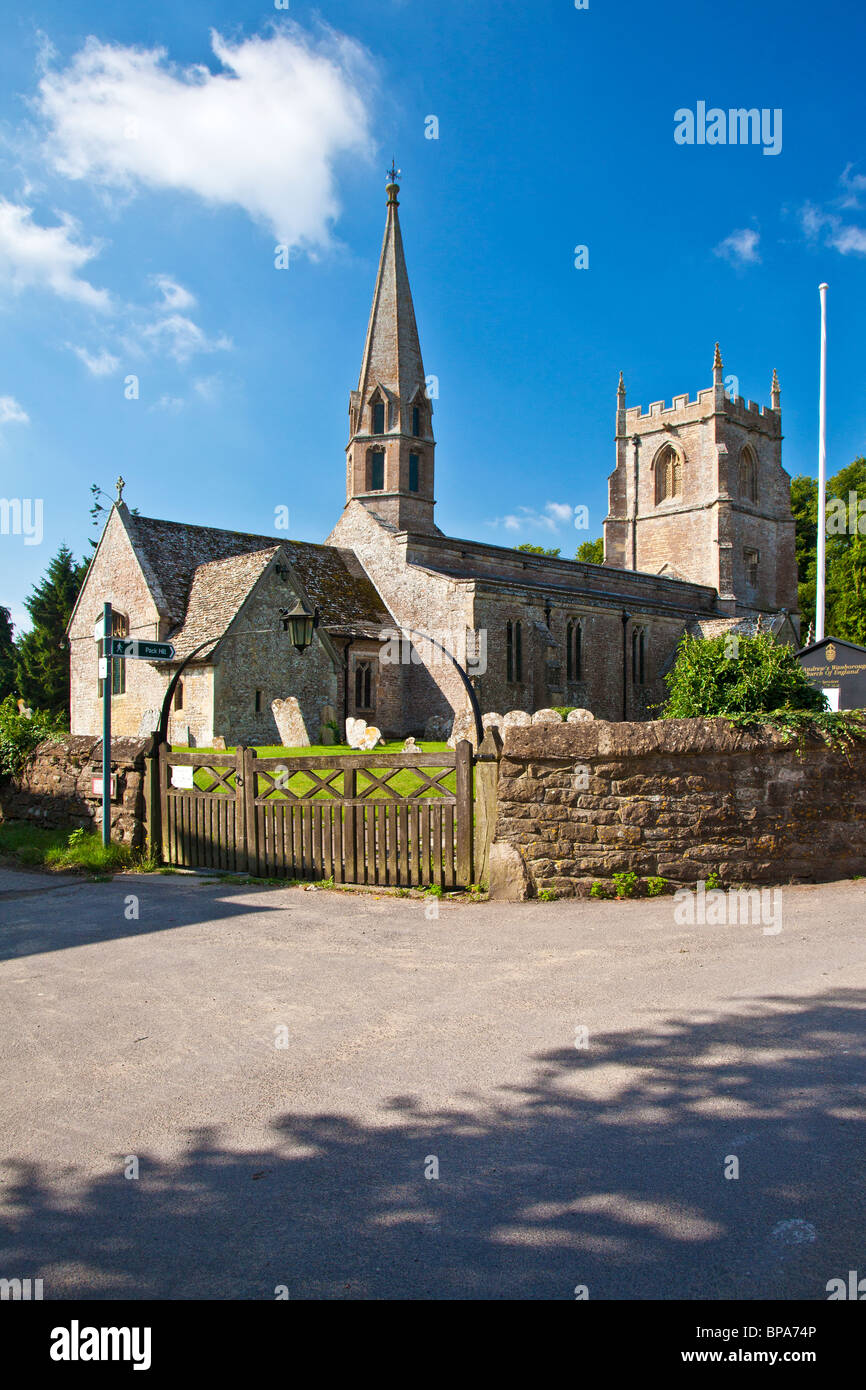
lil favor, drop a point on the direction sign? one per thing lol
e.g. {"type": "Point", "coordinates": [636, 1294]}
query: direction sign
{"type": "Point", "coordinates": [139, 650]}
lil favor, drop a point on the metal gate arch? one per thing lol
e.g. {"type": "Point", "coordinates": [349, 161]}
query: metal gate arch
{"type": "Point", "coordinates": [342, 819]}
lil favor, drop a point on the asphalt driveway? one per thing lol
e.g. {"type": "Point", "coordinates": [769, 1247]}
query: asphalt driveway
{"type": "Point", "coordinates": [347, 1097]}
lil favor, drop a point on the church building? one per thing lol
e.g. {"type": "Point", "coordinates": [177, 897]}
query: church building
{"type": "Point", "coordinates": [699, 538]}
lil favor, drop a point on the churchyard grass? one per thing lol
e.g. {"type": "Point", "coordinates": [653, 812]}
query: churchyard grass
{"type": "Point", "coordinates": [403, 783]}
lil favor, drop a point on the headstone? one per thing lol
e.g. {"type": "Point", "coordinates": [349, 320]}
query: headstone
{"type": "Point", "coordinates": [290, 723]}
{"type": "Point", "coordinates": [355, 731]}
{"type": "Point", "coordinates": [516, 719]}
{"type": "Point", "coordinates": [438, 728]}
{"type": "Point", "coordinates": [410, 746]}
{"type": "Point", "coordinates": [218, 742]}
{"type": "Point", "coordinates": [547, 716]}
{"type": "Point", "coordinates": [327, 737]}
{"type": "Point", "coordinates": [579, 716]}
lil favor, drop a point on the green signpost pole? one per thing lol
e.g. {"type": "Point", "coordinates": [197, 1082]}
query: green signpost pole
{"type": "Point", "coordinates": [106, 725]}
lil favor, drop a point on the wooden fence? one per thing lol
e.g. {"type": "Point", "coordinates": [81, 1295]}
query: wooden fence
{"type": "Point", "coordinates": [339, 817]}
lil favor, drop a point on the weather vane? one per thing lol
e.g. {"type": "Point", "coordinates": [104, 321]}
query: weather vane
{"type": "Point", "coordinates": [394, 173]}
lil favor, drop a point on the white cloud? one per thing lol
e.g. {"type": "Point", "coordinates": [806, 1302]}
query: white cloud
{"type": "Point", "coordinates": [11, 413]}
{"type": "Point", "coordinates": [208, 387]}
{"type": "Point", "coordinates": [740, 248]}
{"type": "Point", "coordinates": [262, 134]}
{"type": "Point", "coordinates": [174, 296]}
{"type": "Point", "coordinates": [172, 405]}
{"type": "Point", "coordinates": [848, 239]}
{"type": "Point", "coordinates": [181, 338]}
{"type": "Point", "coordinates": [101, 363]}
{"type": "Point", "coordinates": [554, 515]}
{"type": "Point", "coordinates": [36, 257]}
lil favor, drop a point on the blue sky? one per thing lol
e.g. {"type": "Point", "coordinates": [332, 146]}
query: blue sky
{"type": "Point", "coordinates": [142, 195]}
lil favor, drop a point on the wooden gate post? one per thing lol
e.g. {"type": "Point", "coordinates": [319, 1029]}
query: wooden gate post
{"type": "Point", "coordinates": [464, 813]}
{"type": "Point", "coordinates": [163, 803]}
{"type": "Point", "coordinates": [250, 780]}
{"type": "Point", "coordinates": [486, 793]}
{"type": "Point", "coordinates": [152, 828]}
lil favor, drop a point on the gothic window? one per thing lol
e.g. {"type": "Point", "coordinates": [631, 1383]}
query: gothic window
{"type": "Point", "coordinates": [178, 695]}
{"type": "Point", "coordinates": [574, 650]}
{"type": "Point", "coordinates": [514, 652]}
{"type": "Point", "coordinates": [377, 471]}
{"type": "Point", "coordinates": [668, 474]}
{"type": "Point", "coordinates": [414, 464]}
{"type": "Point", "coordinates": [363, 685]}
{"type": "Point", "coordinates": [119, 628]}
{"type": "Point", "coordinates": [638, 656]}
{"type": "Point", "coordinates": [378, 417]}
{"type": "Point", "coordinates": [750, 562]}
{"type": "Point", "coordinates": [748, 475]}
{"type": "Point", "coordinates": [416, 421]}
{"type": "Point", "coordinates": [259, 698]}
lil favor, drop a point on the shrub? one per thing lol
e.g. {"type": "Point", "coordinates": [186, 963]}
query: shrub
{"type": "Point", "coordinates": [598, 890]}
{"type": "Point", "coordinates": [655, 885]}
{"type": "Point", "coordinates": [19, 736]}
{"type": "Point", "coordinates": [547, 895]}
{"type": "Point", "coordinates": [625, 884]}
{"type": "Point", "coordinates": [742, 675]}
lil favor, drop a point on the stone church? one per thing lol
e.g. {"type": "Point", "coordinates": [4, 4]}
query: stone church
{"type": "Point", "coordinates": [699, 538]}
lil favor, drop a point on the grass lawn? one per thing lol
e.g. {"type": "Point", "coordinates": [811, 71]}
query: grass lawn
{"type": "Point", "coordinates": [64, 851]}
{"type": "Point", "coordinates": [403, 783]}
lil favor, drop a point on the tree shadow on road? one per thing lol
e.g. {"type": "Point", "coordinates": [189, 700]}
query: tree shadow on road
{"type": "Point", "coordinates": [605, 1168]}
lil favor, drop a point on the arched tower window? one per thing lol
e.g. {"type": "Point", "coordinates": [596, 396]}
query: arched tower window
{"type": "Point", "coordinates": [748, 475]}
{"type": "Point", "coordinates": [377, 417]}
{"type": "Point", "coordinates": [513, 652]}
{"type": "Point", "coordinates": [377, 471]}
{"type": "Point", "coordinates": [574, 650]}
{"type": "Point", "coordinates": [668, 470]}
{"type": "Point", "coordinates": [363, 685]}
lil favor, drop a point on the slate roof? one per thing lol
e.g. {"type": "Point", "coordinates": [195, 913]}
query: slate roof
{"type": "Point", "coordinates": [200, 576]}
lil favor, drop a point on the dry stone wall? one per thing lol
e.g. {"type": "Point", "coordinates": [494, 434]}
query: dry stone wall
{"type": "Point", "coordinates": [678, 798]}
{"type": "Point", "coordinates": [55, 791]}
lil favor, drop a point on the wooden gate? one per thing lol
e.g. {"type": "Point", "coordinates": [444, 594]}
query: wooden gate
{"type": "Point", "coordinates": [387, 819]}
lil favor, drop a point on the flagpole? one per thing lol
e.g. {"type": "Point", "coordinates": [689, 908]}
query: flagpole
{"type": "Point", "coordinates": [821, 562]}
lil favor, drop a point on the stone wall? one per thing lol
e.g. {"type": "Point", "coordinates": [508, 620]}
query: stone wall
{"type": "Point", "coordinates": [56, 789]}
{"type": "Point", "coordinates": [679, 798]}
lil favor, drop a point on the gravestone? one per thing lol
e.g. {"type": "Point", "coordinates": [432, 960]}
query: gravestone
{"type": "Point", "coordinates": [290, 723]}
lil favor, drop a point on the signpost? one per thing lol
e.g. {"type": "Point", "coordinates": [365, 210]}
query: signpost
{"type": "Point", "coordinates": [113, 648]}
{"type": "Point", "coordinates": [137, 649]}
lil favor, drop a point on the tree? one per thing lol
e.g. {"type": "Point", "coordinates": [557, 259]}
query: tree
{"type": "Point", "coordinates": [7, 655]}
{"type": "Point", "coordinates": [737, 675]}
{"type": "Point", "coordinates": [591, 552]}
{"type": "Point", "coordinates": [845, 596]}
{"type": "Point", "coordinates": [42, 656]}
{"type": "Point", "coordinates": [537, 550]}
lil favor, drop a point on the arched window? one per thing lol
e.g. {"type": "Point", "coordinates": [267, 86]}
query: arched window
{"type": "Point", "coordinates": [574, 650]}
{"type": "Point", "coordinates": [178, 695]}
{"type": "Point", "coordinates": [414, 471]}
{"type": "Point", "coordinates": [378, 417]}
{"type": "Point", "coordinates": [748, 475]}
{"type": "Point", "coordinates": [377, 471]}
{"type": "Point", "coordinates": [363, 685]}
{"type": "Point", "coordinates": [668, 469]}
{"type": "Point", "coordinates": [416, 421]}
{"type": "Point", "coordinates": [638, 656]}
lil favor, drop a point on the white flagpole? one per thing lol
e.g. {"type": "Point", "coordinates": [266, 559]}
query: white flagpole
{"type": "Point", "coordinates": [822, 474]}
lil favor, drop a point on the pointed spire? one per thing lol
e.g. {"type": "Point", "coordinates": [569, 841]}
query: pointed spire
{"type": "Point", "coordinates": [392, 353]}
{"type": "Point", "coordinates": [775, 391]}
{"type": "Point", "coordinates": [620, 390]}
{"type": "Point", "coordinates": [717, 360]}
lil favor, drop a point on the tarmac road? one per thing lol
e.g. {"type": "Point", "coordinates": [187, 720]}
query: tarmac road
{"type": "Point", "coordinates": [289, 1071]}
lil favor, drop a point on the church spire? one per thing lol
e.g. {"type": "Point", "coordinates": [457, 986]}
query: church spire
{"type": "Point", "coordinates": [392, 352]}
{"type": "Point", "coordinates": [391, 449]}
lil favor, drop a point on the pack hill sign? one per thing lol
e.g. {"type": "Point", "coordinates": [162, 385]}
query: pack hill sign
{"type": "Point", "coordinates": [138, 650]}
{"type": "Point", "coordinates": [838, 669]}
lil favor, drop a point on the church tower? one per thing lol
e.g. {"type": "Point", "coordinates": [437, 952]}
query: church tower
{"type": "Point", "coordinates": [391, 447]}
{"type": "Point", "coordinates": [699, 493]}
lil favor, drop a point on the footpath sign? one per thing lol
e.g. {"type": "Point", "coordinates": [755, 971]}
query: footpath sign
{"type": "Point", "coordinates": [138, 650]}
